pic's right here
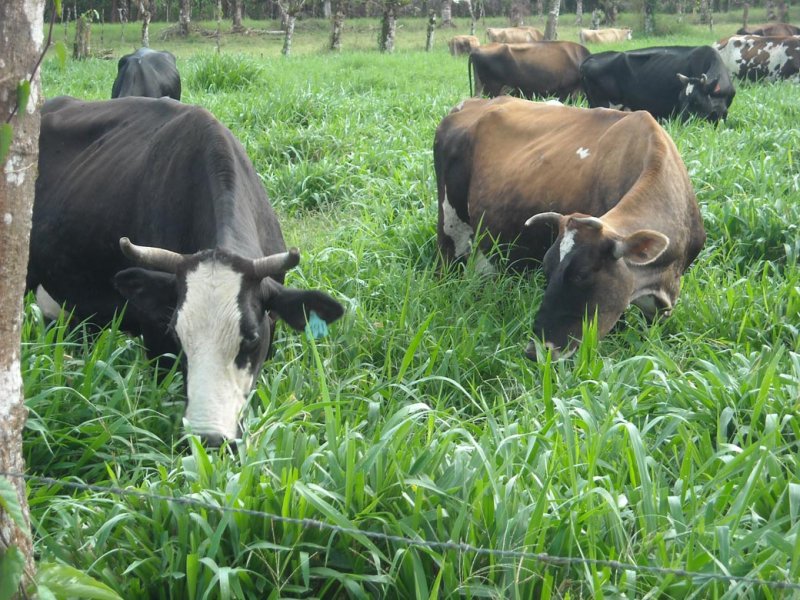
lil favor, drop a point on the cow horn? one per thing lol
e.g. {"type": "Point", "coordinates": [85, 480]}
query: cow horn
{"type": "Point", "coordinates": [551, 218]}
{"type": "Point", "coordinates": [592, 222]}
{"type": "Point", "coordinates": [276, 263]}
{"type": "Point", "coordinates": [703, 79]}
{"type": "Point", "coordinates": [153, 258]}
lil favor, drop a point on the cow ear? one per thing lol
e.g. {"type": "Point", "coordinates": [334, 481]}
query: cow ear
{"type": "Point", "coordinates": [295, 306]}
{"type": "Point", "coordinates": [152, 292]}
{"type": "Point", "coordinates": [683, 79]}
{"type": "Point", "coordinates": [642, 247]}
{"type": "Point", "coordinates": [712, 86]}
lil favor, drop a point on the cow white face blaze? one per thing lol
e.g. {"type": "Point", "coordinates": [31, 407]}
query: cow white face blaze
{"type": "Point", "coordinates": [220, 308]}
{"type": "Point", "coordinates": [209, 324]}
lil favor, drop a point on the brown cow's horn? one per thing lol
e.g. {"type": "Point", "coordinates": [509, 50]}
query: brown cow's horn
{"type": "Point", "coordinates": [592, 222]}
{"type": "Point", "coordinates": [153, 258]}
{"type": "Point", "coordinates": [276, 263]}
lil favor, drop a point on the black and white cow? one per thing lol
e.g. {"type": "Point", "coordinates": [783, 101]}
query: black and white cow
{"type": "Point", "coordinates": [147, 73]}
{"type": "Point", "coordinates": [207, 277]}
{"type": "Point", "coordinates": [757, 57]}
{"type": "Point", "coordinates": [665, 81]}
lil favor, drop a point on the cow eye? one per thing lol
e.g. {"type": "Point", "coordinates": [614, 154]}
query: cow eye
{"type": "Point", "coordinates": [250, 341]}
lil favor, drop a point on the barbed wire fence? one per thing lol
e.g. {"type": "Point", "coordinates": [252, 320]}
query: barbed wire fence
{"type": "Point", "coordinates": [307, 523]}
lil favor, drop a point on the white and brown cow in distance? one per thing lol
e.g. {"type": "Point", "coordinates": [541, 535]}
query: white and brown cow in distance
{"type": "Point", "coordinates": [604, 36]}
{"type": "Point", "coordinates": [462, 44]}
{"type": "Point", "coordinates": [527, 70]}
{"type": "Point", "coordinates": [769, 29]}
{"type": "Point", "coordinates": [600, 197]}
{"type": "Point", "coordinates": [514, 35]}
{"type": "Point", "coordinates": [757, 58]}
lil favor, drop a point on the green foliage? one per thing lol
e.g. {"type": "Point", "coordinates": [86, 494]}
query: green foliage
{"type": "Point", "coordinates": [12, 567]}
{"type": "Point", "coordinates": [671, 445]}
{"type": "Point", "coordinates": [223, 73]}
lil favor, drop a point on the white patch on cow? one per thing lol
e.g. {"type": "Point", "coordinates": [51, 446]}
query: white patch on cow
{"type": "Point", "coordinates": [456, 229]}
{"type": "Point", "coordinates": [209, 328]}
{"type": "Point", "coordinates": [777, 59]}
{"type": "Point", "coordinates": [8, 219]}
{"type": "Point", "coordinates": [49, 307]}
{"type": "Point", "coordinates": [567, 243]}
{"type": "Point", "coordinates": [554, 102]}
{"type": "Point", "coordinates": [582, 152]}
{"type": "Point", "coordinates": [616, 106]}
{"type": "Point", "coordinates": [459, 106]}
{"type": "Point", "coordinates": [689, 89]}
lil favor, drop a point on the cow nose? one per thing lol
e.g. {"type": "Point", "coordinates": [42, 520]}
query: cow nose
{"type": "Point", "coordinates": [215, 440]}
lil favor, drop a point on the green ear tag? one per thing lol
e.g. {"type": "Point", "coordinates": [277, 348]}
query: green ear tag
{"type": "Point", "coordinates": [316, 327]}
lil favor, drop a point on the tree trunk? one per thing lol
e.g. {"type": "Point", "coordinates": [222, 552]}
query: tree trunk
{"type": "Point", "coordinates": [579, 12]}
{"type": "Point", "coordinates": [649, 7]}
{"type": "Point", "coordinates": [21, 37]}
{"type": "Point", "coordinates": [679, 10]}
{"type": "Point", "coordinates": [447, 13]}
{"type": "Point", "coordinates": [431, 31]}
{"type": "Point", "coordinates": [287, 39]}
{"type": "Point", "coordinates": [705, 12]}
{"type": "Point", "coordinates": [184, 17]}
{"type": "Point", "coordinates": [284, 17]}
{"type": "Point", "coordinates": [336, 31]}
{"type": "Point", "coordinates": [472, 18]}
{"type": "Point", "coordinates": [326, 9]}
{"type": "Point", "coordinates": [237, 13]}
{"type": "Point", "coordinates": [596, 18]}
{"type": "Point", "coordinates": [551, 29]}
{"type": "Point", "coordinates": [539, 8]}
{"type": "Point", "coordinates": [388, 28]}
{"type": "Point", "coordinates": [771, 14]}
{"type": "Point", "coordinates": [83, 38]}
{"type": "Point", "coordinates": [144, 9]}
{"type": "Point", "coordinates": [745, 14]}
{"type": "Point", "coordinates": [219, 25]}
{"type": "Point", "coordinates": [783, 12]}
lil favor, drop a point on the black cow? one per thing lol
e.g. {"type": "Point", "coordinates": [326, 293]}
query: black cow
{"type": "Point", "coordinates": [147, 73]}
{"type": "Point", "coordinates": [668, 81]}
{"type": "Point", "coordinates": [207, 279]}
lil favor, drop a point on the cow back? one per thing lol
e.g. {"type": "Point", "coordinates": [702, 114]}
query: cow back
{"type": "Point", "coordinates": [756, 57]}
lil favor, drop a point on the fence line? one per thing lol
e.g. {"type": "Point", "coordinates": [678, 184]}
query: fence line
{"type": "Point", "coordinates": [306, 523]}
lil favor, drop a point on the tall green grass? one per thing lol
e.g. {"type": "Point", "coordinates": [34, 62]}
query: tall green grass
{"type": "Point", "coordinates": [673, 445]}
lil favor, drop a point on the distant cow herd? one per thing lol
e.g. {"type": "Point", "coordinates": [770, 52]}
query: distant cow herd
{"type": "Point", "coordinates": [167, 216]}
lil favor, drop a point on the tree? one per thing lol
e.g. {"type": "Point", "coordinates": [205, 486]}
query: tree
{"type": "Point", "coordinates": [388, 29]}
{"type": "Point", "coordinates": [551, 29]}
{"type": "Point", "coordinates": [237, 13]}
{"type": "Point", "coordinates": [184, 17]}
{"type": "Point", "coordinates": [649, 8]}
{"type": "Point", "coordinates": [145, 9]}
{"type": "Point", "coordinates": [21, 36]}
{"type": "Point", "coordinates": [290, 8]}
{"type": "Point", "coordinates": [447, 14]}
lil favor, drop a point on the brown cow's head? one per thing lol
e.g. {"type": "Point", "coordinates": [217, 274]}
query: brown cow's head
{"type": "Point", "coordinates": [588, 270]}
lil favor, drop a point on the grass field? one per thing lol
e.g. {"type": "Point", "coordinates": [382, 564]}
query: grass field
{"type": "Point", "coordinates": [672, 446]}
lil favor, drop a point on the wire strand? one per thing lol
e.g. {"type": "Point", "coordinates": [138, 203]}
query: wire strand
{"type": "Point", "coordinates": [306, 523]}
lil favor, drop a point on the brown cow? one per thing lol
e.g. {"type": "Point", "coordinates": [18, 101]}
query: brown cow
{"type": "Point", "coordinates": [756, 57]}
{"type": "Point", "coordinates": [514, 35]}
{"type": "Point", "coordinates": [538, 69]}
{"type": "Point", "coordinates": [604, 36]}
{"type": "Point", "coordinates": [772, 29]}
{"type": "Point", "coordinates": [602, 197]}
{"type": "Point", "coordinates": [462, 44]}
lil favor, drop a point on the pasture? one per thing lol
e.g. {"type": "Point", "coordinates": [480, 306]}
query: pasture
{"type": "Point", "coordinates": [672, 446]}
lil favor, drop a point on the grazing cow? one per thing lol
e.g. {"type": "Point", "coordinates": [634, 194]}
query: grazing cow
{"type": "Point", "coordinates": [604, 36]}
{"type": "Point", "coordinates": [538, 69]}
{"type": "Point", "coordinates": [756, 57]}
{"type": "Point", "coordinates": [514, 35]}
{"type": "Point", "coordinates": [770, 29]}
{"type": "Point", "coordinates": [674, 80]}
{"type": "Point", "coordinates": [462, 44]}
{"type": "Point", "coordinates": [147, 73]}
{"type": "Point", "coordinates": [600, 196]}
{"type": "Point", "coordinates": [208, 276]}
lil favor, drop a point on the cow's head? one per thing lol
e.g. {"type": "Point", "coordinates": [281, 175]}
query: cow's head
{"type": "Point", "coordinates": [628, 33]}
{"type": "Point", "coordinates": [704, 97]}
{"type": "Point", "coordinates": [221, 309]}
{"type": "Point", "coordinates": [588, 270]}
